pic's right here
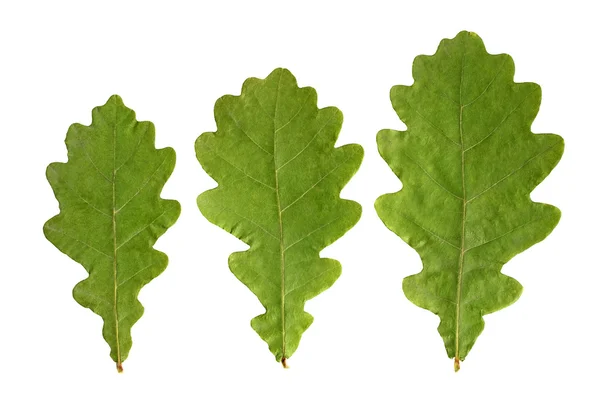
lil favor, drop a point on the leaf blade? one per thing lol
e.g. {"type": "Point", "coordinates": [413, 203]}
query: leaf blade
{"type": "Point", "coordinates": [279, 180]}
{"type": "Point", "coordinates": [469, 158]}
{"type": "Point", "coordinates": [111, 215]}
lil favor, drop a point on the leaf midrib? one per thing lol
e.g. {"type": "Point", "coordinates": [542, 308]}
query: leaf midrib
{"type": "Point", "coordinates": [279, 214]}
{"type": "Point", "coordinates": [464, 199]}
{"type": "Point", "coordinates": [461, 258]}
{"type": "Point", "coordinates": [115, 247]}
{"type": "Point", "coordinates": [277, 166]}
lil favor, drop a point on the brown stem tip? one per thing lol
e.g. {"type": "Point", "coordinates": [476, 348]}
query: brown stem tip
{"type": "Point", "coordinates": [284, 363]}
{"type": "Point", "coordinates": [456, 364]}
{"type": "Point", "coordinates": [119, 367]}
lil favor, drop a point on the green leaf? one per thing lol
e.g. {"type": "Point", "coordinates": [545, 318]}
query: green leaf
{"type": "Point", "coordinates": [111, 214]}
{"type": "Point", "coordinates": [468, 163]}
{"type": "Point", "coordinates": [279, 181]}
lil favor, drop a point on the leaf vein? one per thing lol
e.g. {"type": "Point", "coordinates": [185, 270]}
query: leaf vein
{"type": "Point", "coordinates": [429, 231]}
{"type": "Point", "coordinates": [432, 124]}
{"type": "Point", "coordinates": [237, 124]}
{"type": "Point", "coordinates": [79, 241]}
{"type": "Point", "coordinates": [143, 185]}
{"type": "Point", "coordinates": [504, 235]}
{"type": "Point", "coordinates": [431, 294]}
{"type": "Point", "coordinates": [78, 194]}
{"type": "Point", "coordinates": [304, 284]}
{"type": "Point", "coordinates": [135, 274]}
{"type": "Point", "coordinates": [295, 115]}
{"type": "Point", "coordinates": [307, 144]}
{"type": "Point", "coordinates": [515, 171]}
{"type": "Point", "coordinates": [311, 233]}
{"type": "Point", "coordinates": [224, 208]}
{"type": "Point", "coordinates": [489, 84]}
{"type": "Point", "coordinates": [314, 185]}
{"type": "Point", "coordinates": [240, 170]}
{"type": "Point", "coordinates": [139, 231]}
{"type": "Point", "coordinates": [94, 164]}
{"type": "Point", "coordinates": [136, 148]}
{"type": "Point", "coordinates": [502, 121]}
{"type": "Point", "coordinates": [431, 177]}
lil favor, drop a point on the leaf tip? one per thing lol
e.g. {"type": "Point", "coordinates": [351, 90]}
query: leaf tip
{"type": "Point", "coordinates": [115, 98]}
{"type": "Point", "coordinates": [119, 367]}
{"type": "Point", "coordinates": [468, 33]}
{"type": "Point", "coordinates": [284, 363]}
{"type": "Point", "coordinates": [456, 364]}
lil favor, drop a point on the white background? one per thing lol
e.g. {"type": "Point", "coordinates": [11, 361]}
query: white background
{"type": "Point", "coordinates": [170, 63]}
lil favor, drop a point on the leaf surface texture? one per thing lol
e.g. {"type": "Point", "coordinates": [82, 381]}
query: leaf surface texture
{"type": "Point", "coordinates": [279, 181]}
{"type": "Point", "coordinates": [468, 163]}
{"type": "Point", "coordinates": [111, 214]}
